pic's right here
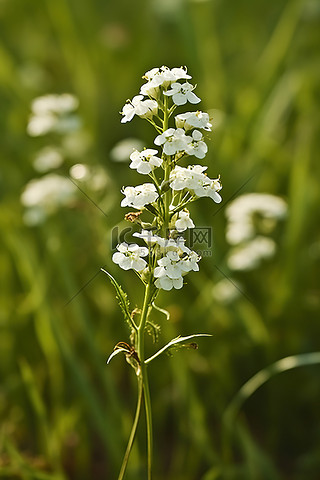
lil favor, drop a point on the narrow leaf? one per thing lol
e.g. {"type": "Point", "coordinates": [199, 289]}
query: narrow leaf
{"type": "Point", "coordinates": [174, 342]}
{"type": "Point", "coordinates": [123, 300]}
{"type": "Point", "coordinates": [115, 352]}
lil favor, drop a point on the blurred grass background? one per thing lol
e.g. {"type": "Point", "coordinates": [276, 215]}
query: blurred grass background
{"type": "Point", "coordinates": [63, 413]}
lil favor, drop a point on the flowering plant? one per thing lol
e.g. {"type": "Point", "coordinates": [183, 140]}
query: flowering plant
{"type": "Point", "coordinates": [165, 260]}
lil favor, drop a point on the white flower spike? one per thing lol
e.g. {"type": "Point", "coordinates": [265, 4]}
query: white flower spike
{"type": "Point", "coordinates": [163, 213]}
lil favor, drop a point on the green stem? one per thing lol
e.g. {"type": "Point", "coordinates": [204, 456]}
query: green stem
{"type": "Point", "coordinates": [167, 169]}
{"type": "Point", "coordinates": [149, 292]}
{"type": "Point", "coordinates": [133, 432]}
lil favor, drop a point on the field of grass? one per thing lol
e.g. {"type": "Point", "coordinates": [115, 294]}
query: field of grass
{"type": "Point", "coordinates": [65, 414]}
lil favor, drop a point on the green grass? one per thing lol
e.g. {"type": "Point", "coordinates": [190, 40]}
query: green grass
{"type": "Point", "coordinates": [64, 414]}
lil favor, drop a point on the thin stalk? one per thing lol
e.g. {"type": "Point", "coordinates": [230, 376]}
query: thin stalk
{"type": "Point", "coordinates": [167, 169]}
{"type": "Point", "coordinates": [133, 432]}
{"type": "Point", "coordinates": [149, 292]}
{"type": "Point", "coordinates": [147, 405]}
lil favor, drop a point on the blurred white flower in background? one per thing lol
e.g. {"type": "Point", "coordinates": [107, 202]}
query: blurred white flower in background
{"type": "Point", "coordinates": [47, 159]}
{"type": "Point", "coordinates": [250, 254]}
{"type": "Point", "coordinates": [53, 113]}
{"type": "Point", "coordinates": [250, 218]}
{"type": "Point", "coordinates": [226, 291]}
{"type": "Point", "coordinates": [79, 171]}
{"type": "Point", "coordinates": [94, 176]}
{"type": "Point", "coordinates": [241, 215]}
{"type": "Point", "coordinates": [122, 150]}
{"type": "Point", "coordinates": [45, 195]}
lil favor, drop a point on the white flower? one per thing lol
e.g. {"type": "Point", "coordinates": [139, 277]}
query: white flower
{"type": "Point", "coordinates": [182, 93]}
{"type": "Point", "coordinates": [169, 266]}
{"type": "Point", "coordinates": [139, 106]}
{"type": "Point", "coordinates": [191, 120]}
{"type": "Point", "coordinates": [169, 244]}
{"type": "Point", "coordinates": [197, 146]}
{"type": "Point", "coordinates": [147, 236]}
{"type": "Point", "coordinates": [190, 262]}
{"type": "Point", "coordinates": [173, 141]}
{"type": "Point", "coordinates": [181, 177]}
{"type": "Point", "coordinates": [184, 221]}
{"type": "Point", "coordinates": [250, 254]}
{"type": "Point", "coordinates": [210, 190]}
{"type": "Point", "coordinates": [144, 162]}
{"type": "Point", "coordinates": [129, 256]}
{"type": "Point", "coordinates": [163, 75]}
{"type": "Point", "coordinates": [173, 266]}
{"type": "Point", "coordinates": [193, 179]}
{"type": "Point", "coordinates": [139, 196]}
{"type": "Point", "coordinates": [167, 283]}
{"type": "Point", "coordinates": [150, 89]}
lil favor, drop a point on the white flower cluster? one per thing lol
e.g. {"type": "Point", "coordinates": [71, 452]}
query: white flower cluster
{"type": "Point", "coordinates": [139, 196]}
{"type": "Point", "coordinates": [194, 180]}
{"type": "Point", "coordinates": [174, 141]}
{"type": "Point", "coordinates": [158, 78]}
{"type": "Point", "coordinates": [251, 217]}
{"type": "Point", "coordinates": [43, 196]}
{"type": "Point", "coordinates": [173, 187]}
{"type": "Point", "coordinates": [53, 113]}
{"type": "Point", "coordinates": [173, 266]}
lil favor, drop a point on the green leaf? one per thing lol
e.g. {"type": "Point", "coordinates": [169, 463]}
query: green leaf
{"type": "Point", "coordinates": [123, 300]}
{"type": "Point", "coordinates": [174, 343]}
{"type": "Point", "coordinates": [260, 378]}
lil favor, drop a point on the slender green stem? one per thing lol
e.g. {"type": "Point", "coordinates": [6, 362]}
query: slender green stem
{"type": "Point", "coordinates": [133, 431]}
{"type": "Point", "coordinates": [149, 292]}
{"type": "Point", "coordinates": [167, 169]}
{"type": "Point", "coordinates": [147, 404]}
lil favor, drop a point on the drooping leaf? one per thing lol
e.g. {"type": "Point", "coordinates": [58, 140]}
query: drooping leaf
{"type": "Point", "coordinates": [174, 342]}
{"type": "Point", "coordinates": [115, 352]}
{"type": "Point", "coordinates": [122, 299]}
